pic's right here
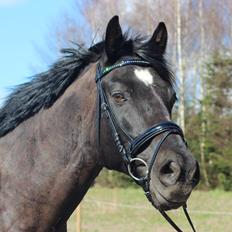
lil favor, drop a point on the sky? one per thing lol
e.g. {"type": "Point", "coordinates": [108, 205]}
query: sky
{"type": "Point", "coordinates": [25, 28]}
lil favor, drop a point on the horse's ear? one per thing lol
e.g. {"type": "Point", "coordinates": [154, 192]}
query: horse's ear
{"type": "Point", "coordinates": [113, 38]}
{"type": "Point", "coordinates": [160, 37]}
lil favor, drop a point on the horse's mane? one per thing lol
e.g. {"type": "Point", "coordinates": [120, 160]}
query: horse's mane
{"type": "Point", "coordinates": [45, 88]}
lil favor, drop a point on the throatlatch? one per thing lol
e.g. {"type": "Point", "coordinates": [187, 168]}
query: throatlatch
{"type": "Point", "coordinates": [138, 144]}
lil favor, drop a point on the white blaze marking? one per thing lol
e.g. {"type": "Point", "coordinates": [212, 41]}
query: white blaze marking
{"type": "Point", "coordinates": [144, 76]}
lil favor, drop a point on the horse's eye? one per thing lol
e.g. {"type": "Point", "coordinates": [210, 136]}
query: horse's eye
{"type": "Point", "coordinates": [118, 97]}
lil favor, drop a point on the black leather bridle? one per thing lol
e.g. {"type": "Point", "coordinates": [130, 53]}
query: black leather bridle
{"type": "Point", "coordinates": [138, 144]}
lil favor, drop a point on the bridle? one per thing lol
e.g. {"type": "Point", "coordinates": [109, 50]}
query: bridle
{"type": "Point", "coordinates": [138, 144]}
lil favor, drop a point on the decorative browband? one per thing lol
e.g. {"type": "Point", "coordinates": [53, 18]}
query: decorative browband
{"type": "Point", "coordinates": [103, 71]}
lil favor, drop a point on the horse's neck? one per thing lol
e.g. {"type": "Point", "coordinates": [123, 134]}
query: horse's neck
{"type": "Point", "coordinates": [50, 160]}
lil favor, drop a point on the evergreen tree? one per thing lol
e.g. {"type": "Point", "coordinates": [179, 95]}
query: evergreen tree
{"type": "Point", "coordinates": [218, 102]}
{"type": "Point", "coordinates": [218, 119]}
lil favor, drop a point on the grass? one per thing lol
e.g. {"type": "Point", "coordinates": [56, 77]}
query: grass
{"type": "Point", "coordinates": [127, 210]}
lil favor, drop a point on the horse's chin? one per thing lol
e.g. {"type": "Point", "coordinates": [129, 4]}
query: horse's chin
{"type": "Point", "coordinates": [162, 203]}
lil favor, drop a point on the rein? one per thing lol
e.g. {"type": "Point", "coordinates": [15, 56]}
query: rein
{"type": "Point", "coordinates": [138, 144]}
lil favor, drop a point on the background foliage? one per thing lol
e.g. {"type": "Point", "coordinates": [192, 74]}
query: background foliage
{"type": "Point", "coordinates": [218, 102]}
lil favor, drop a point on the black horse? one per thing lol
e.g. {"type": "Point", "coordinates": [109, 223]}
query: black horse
{"type": "Point", "coordinates": [106, 106]}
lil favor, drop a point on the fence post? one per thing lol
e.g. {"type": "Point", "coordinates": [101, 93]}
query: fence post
{"type": "Point", "coordinates": [78, 217]}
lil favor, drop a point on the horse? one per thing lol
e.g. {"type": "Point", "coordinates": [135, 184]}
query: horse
{"type": "Point", "coordinates": [106, 106]}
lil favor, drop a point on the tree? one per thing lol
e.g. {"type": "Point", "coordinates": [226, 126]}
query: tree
{"type": "Point", "coordinates": [180, 68]}
{"type": "Point", "coordinates": [202, 93]}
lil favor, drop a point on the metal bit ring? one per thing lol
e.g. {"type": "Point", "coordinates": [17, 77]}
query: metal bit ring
{"type": "Point", "coordinates": [130, 172]}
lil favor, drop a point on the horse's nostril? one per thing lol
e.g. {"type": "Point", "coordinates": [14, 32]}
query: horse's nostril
{"type": "Point", "coordinates": [170, 173]}
{"type": "Point", "coordinates": [169, 168]}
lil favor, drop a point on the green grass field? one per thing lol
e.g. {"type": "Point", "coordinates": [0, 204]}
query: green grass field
{"type": "Point", "coordinates": [127, 210]}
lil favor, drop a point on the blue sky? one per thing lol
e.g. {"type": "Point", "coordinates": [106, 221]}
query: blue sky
{"type": "Point", "coordinates": [25, 29]}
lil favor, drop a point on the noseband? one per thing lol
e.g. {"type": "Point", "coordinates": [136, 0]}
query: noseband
{"type": "Point", "coordinates": [139, 143]}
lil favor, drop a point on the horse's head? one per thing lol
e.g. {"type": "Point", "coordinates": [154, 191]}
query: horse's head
{"type": "Point", "coordinates": [135, 96]}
